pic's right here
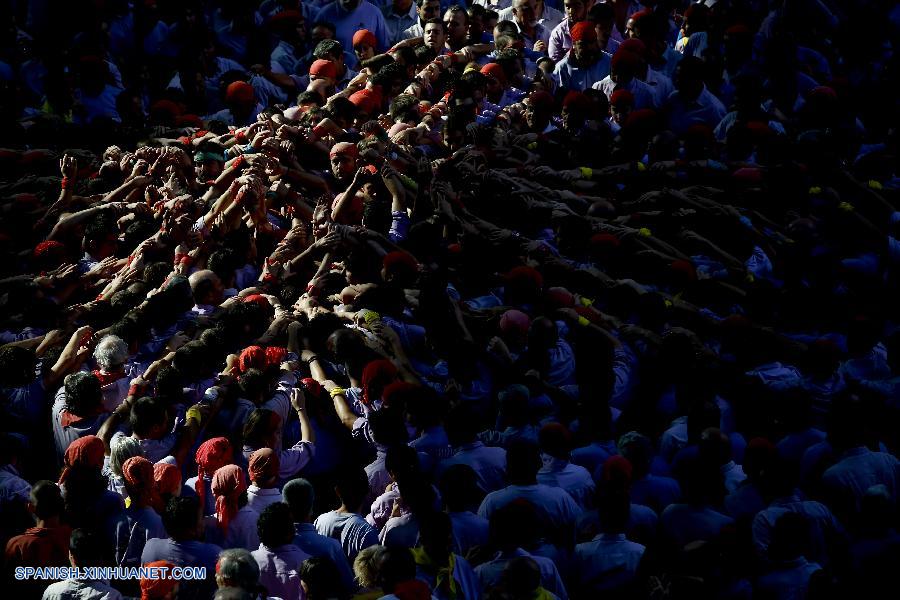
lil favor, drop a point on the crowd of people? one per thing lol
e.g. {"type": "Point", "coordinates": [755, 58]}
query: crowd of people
{"type": "Point", "coordinates": [519, 300]}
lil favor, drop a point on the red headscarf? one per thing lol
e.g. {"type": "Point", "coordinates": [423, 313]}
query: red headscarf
{"type": "Point", "coordinates": [137, 472]}
{"type": "Point", "coordinates": [228, 484]}
{"type": "Point", "coordinates": [167, 478]}
{"type": "Point", "coordinates": [252, 357]}
{"type": "Point", "coordinates": [211, 456]}
{"type": "Point", "coordinates": [583, 31]}
{"type": "Point", "coordinates": [377, 373]}
{"type": "Point", "coordinates": [155, 589]}
{"type": "Point", "coordinates": [617, 472]}
{"type": "Point", "coordinates": [263, 466]}
{"type": "Point", "coordinates": [87, 451]}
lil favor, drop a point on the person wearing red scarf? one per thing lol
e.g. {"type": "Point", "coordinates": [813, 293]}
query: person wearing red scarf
{"type": "Point", "coordinates": [263, 471]}
{"type": "Point", "coordinates": [160, 588]}
{"type": "Point", "coordinates": [87, 451]}
{"type": "Point", "coordinates": [168, 480]}
{"type": "Point", "coordinates": [144, 505]}
{"type": "Point", "coordinates": [234, 523]}
{"type": "Point", "coordinates": [212, 455]}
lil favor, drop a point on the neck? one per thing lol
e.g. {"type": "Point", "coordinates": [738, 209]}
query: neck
{"type": "Point", "coordinates": [48, 522]}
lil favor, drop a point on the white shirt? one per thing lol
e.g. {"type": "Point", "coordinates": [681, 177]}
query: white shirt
{"type": "Point", "coordinates": [71, 589]}
{"type": "Point", "coordinates": [259, 498]}
{"type": "Point", "coordinates": [606, 562]}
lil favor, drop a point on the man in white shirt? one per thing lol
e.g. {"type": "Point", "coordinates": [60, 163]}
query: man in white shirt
{"type": "Point", "coordinates": [425, 10]}
{"type": "Point", "coordinates": [554, 505]}
{"type": "Point", "coordinates": [692, 103]}
{"type": "Point", "coordinates": [85, 550]}
{"type": "Point", "coordinates": [560, 37]}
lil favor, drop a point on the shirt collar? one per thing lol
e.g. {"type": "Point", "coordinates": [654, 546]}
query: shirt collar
{"type": "Point", "coordinates": [610, 537]}
{"type": "Point", "coordinates": [470, 446]}
{"type": "Point", "coordinates": [304, 527]}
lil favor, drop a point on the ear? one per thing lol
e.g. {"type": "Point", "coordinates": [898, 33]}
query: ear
{"type": "Point", "coordinates": [31, 507]}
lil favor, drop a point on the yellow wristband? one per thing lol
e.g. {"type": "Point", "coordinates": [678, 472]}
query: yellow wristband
{"type": "Point", "coordinates": [875, 185]}
{"type": "Point", "coordinates": [583, 321]}
{"type": "Point", "coordinates": [532, 146]}
{"type": "Point", "coordinates": [371, 316]}
{"type": "Point", "coordinates": [815, 190]}
{"type": "Point", "coordinates": [586, 302]}
{"type": "Point", "coordinates": [845, 206]}
{"type": "Point", "coordinates": [644, 232]}
{"type": "Point", "coordinates": [195, 414]}
{"type": "Point", "coordinates": [586, 172]}
{"type": "Point", "coordinates": [337, 391]}
{"type": "Point", "coordinates": [640, 166]}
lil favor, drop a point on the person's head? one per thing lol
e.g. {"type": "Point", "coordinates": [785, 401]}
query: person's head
{"type": "Point", "coordinates": [236, 568]}
{"type": "Point", "coordinates": [688, 78]}
{"type": "Point", "coordinates": [322, 30]}
{"type": "Point", "coordinates": [638, 450]}
{"type": "Point", "coordinates": [168, 480]}
{"type": "Point", "coordinates": [523, 460]}
{"type": "Point", "coordinates": [364, 44]}
{"type": "Point", "coordinates": [275, 525]}
{"type": "Point", "coordinates": [111, 353]}
{"type": "Point", "coordinates": [17, 366]}
{"type": "Point", "coordinates": [349, 5]}
{"type": "Point", "coordinates": [623, 67]}
{"type": "Point", "coordinates": [459, 488]}
{"type": "Point", "coordinates": [240, 97]}
{"type": "Point", "coordinates": [555, 440]}
{"type": "Point", "coordinates": [436, 535]}
{"type": "Point", "coordinates": [300, 495]}
{"type": "Point", "coordinates": [456, 20]}
{"type": "Point", "coordinates": [365, 567]}
{"type": "Point", "coordinates": [525, 13]}
{"type": "Point", "coordinates": [401, 462]}
{"type": "Point", "coordinates": [100, 238]}
{"type": "Point", "coordinates": [160, 588]}
{"type": "Point", "coordinates": [320, 578]}
{"type": "Point", "coordinates": [427, 10]}
{"type": "Point", "coordinates": [351, 488]}
{"type": "Point", "coordinates": [790, 537]}
{"type": "Point", "coordinates": [585, 47]}
{"type": "Point", "coordinates": [344, 157]}
{"type": "Point", "coordinates": [86, 549]}
{"type": "Point", "coordinates": [495, 81]}
{"type": "Point", "coordinates": [576, 10]}
{"type": "Point", "coordinates": [515, 525]}
{"type": "Point", "coordinates": [434, 33]}
{"type": "Point", "coordinates": [83, 395]}
{"type": "Point", "coordinates": [621, 103]}
{"type": "Point", "coordinates": [521, 577]}
{"type": "Point", "coordinates": [539, 110]}
{"type": "Point", "coordinates": [394, 565]}
{"type": "Point", "coordinates": [208, 161]}
{"type": "Point", "coordinates": [149, 418]}
{"type": "Point", "coordinates": [46, 502]}
{"type": "Point", "coordinates": [263, 468]}
{"type": "Point", "coordinates": [182, 519]}
{"type": "Point", "coordinates": [206, 287]}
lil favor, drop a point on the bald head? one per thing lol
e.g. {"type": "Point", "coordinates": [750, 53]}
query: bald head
{"type": "Point", "coordinates": [206, 287]}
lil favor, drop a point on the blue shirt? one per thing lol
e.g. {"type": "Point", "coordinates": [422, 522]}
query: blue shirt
{"type": "Point", "coordinates": [365, 16]}
{"type": "Point", "coordinates": [351, 530]}
{"type": "Point", "coordinates": [705, 109]}
{"type": "Point", "coordinates": [605, 563]}
{"type": "Point", "coordinates": [186, 554]}
{"type": "Point", "coordinates": [489, 464]}
{"type": "Point", "coordinates": [684, 523]}
{"type": "Point", "coordinates": [314, 544]}
{"type": "Point", "coordinates": [572, 77]}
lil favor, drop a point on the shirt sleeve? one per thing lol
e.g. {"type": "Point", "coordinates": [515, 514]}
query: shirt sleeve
{"type": "Point", "coordinates": [296, 458]}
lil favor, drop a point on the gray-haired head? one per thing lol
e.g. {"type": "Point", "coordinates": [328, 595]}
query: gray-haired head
{"type": "Point", "coordinates": [300, 496]}
{"type": "Point", "coordinates": [111, 353]}
{"type": "Point", "coordinates": [121, 448]}
{"type": "Point", "coordinates": [237, 568]}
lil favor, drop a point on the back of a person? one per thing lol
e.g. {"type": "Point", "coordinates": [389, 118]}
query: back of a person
{"type": "Point", "coordinates": [279, 569]}
{"type": "Point", "coordinates": [191, 553]}
{"type": "Point", "coordinates": [71, 589]}
{"type": "Point", "coordinates": [608, 562]}
{"type": "Point", "coordinates": [859, 470]}
{"type": "Point", "coordinates": [684, 523]}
